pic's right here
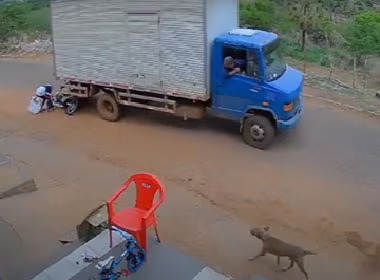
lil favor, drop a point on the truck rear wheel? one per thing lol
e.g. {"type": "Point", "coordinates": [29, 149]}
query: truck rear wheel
{"type": "Point", "coordinates": [107, 107]}
{"type": "Point", "coordinates": [258, 132]}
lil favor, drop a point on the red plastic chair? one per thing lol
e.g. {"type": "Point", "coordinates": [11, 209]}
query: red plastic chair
{"type": "Point", "coordinates": [138, 219]}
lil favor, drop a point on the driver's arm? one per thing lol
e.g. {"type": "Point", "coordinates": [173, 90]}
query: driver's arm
{"type": "Point", "coordinates": [234, 71]}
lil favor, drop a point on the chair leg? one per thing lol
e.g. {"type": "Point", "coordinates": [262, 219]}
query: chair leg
{"type": "Point", "coordinates": [110, 234]}
{"type": "Point", "coordinates": [143, 242]}
{"type": "Point", "coordinates": [157, 235]}
{"type": "Point", "coordinates": [143, 239]}
{"type": "Point", "coordinates": [137, 235]}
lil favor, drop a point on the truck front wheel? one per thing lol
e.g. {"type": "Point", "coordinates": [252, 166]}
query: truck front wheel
{"type": "Point", "coordinates": [107, 107]}
{"type": "Point", "coordinates": [258, 132]}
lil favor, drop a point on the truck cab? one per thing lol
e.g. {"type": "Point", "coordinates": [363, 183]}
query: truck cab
{"type": "Point", "coordinates": [259, 89]}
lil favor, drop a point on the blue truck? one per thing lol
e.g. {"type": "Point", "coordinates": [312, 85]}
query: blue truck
{"type": "Point", "coordinates": [188, 59]}
{"type": "Point", "coordinates": [266, 97]}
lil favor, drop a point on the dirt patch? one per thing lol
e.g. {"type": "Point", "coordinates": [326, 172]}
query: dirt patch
{"type": "Point", "coordinates": [336, 87]}
{"type": "Point", "coordinates": [31, 57]}
{"type": "Point", "coordinates": [369, 248]}
{"type": "Point", "coordinates": [217, 186]}
{"type": "Point", "coordinates": [368, 104]}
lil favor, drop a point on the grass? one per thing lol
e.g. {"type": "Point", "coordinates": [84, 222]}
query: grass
{"type": "Point", "coordinates": [38, 20]}
{"type": "Point", "coordinates": [24, 18]}
{"type": "Point", "coordinates": [311, 54]}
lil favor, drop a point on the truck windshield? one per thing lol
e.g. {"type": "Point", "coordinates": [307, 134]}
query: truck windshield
{"type": "Point", "coordinates": [275, 65]}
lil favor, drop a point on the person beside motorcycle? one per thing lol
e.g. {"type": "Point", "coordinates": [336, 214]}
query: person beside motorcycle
{"type": "Point", "coordinates": [45, 93]}
{"type": "Point", "coordinates": [44, 96]}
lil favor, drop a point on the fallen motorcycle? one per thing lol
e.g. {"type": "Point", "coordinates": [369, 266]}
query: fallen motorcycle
{"type": "Point", "coordinates": [69, 103]}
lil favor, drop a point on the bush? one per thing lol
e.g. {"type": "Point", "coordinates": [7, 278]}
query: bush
{"type": "Point", "coordinates": [311, 54]}
{"type": "Point", "coordinates": [363, 33]}
{"type": "Point", "coordinates": [325, 61]}
{"type": "Point", "coordinates": [18, 18]}
{"type": "Point", "coordinates": [258, 14]}
{"type": "Point", "coordinates": [38, 20]}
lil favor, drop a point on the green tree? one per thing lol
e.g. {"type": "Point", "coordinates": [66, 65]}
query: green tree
{"type": "Point", "coordinates": [363, 33]}
{"type": "Point", "coordinates": [308, 14]}
{"type": "Point", "coordinates": [18, 18]}
{"type": "Point", "coordinates": [11, 20]}
{"type": "Point", "coordinates": [258, 14]}
{"type": "Point", "coordinates": [362, 36]}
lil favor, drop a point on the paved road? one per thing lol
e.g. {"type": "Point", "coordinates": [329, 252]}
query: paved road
{"type": "Point", "coordinates": [317, 181]}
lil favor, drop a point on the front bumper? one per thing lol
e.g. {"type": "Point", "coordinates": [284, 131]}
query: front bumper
{"type": "Point", "coordinates": [293, 121]}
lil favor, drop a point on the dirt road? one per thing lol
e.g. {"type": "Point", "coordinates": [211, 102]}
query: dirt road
{"type": "Point", "coordinates": [314, 184]}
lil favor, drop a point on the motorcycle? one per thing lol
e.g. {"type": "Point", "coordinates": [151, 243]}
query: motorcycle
{"type": "Point", "coordinates": [68, 102]}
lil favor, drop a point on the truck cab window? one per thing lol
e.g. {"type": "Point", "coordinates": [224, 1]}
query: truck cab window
{"type": "Point", "coordinates": [253, 68]}
{"type": "Point", "coordinates": [275, 65]}
{"type": "Point", "coordinates": [233, 60]}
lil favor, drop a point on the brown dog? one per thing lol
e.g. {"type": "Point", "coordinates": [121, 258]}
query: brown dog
{"type": "Point", "coordinates": [279, 248]}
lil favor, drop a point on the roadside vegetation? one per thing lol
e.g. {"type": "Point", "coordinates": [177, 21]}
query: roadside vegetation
{"type": "Point", "coordinates": [335, 42]}
{"type": "Point", "coordinates": [24, 18]}
{"type": "Point", "coordinates": [328, 32]}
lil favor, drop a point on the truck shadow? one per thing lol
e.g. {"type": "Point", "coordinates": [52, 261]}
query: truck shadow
{"type": "Point", "coordinates": [282, 141]}
{"type": "Point", "coordinates": [206, 124]}
{"type": "Point", "coordinates": [139, 116]}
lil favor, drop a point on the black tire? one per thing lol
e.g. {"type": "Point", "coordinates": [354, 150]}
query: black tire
{"type": "Point", "coordinates": [258, 132]}
{"type": "Point", "coordinates": [107, 107]}
{"type": "Point", "coordinates": [71, 106]}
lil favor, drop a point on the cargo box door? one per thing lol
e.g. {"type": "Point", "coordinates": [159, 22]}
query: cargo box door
{"type": "Point", "coordinates": [143, 50]}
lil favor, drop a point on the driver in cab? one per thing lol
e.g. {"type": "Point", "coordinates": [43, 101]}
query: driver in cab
{"type": "Point", "coordinates": [231, 67]}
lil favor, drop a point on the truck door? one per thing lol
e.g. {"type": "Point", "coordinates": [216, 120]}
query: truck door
{"type": "Point", "coordinates": [234, 93]}
{"type": "Point", "coordinates": [143, 50]}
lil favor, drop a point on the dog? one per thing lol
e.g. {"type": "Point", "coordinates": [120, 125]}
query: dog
{"type": "Point", "coordinates": [279, 248]}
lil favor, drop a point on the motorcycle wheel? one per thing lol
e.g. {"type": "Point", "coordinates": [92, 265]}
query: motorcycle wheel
{"type": "Point", "coordinates": [71, 105]}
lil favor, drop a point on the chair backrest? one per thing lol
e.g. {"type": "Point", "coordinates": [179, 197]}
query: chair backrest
{"type": "Point", "coordinates": [146, 187]}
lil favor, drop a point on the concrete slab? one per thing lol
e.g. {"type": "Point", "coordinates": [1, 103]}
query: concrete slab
{"type": "Point", "coordinates": [209, 274]}
{"type": "Point", "coordinates": [62, 270]}
{"type": "Point", "coordinates": [11, 247]}
{"type": "Point", "coordinates": [14, 178]}
{"type": "Point", "coordinates": [100, 244]}
{"type": "Point", "coordinates": [76, 257]}
{"type": "Point", "coordinates": [42, 276]}
{"type": "Point", "coordinates": [164, 262]}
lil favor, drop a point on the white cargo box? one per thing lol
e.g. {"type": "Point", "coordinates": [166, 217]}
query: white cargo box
{"type": "Point", "coordinates": [160, 46]}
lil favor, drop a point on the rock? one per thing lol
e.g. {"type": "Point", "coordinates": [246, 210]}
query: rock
{"type": "Point", "coordinates": [69, 237]}
{"type": "Point", "coordinates": [93, 224]}
{"type": "Point", "coordinates": [368, 248]}
{"type": "Point", "coordinates": [19, 47]}
{"type": "Point", "coordinates": [24, 187]}
{"type": "Point", "coordinates": [44, 46]}
{"type": "Point", "coordinates": [14, 178]}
